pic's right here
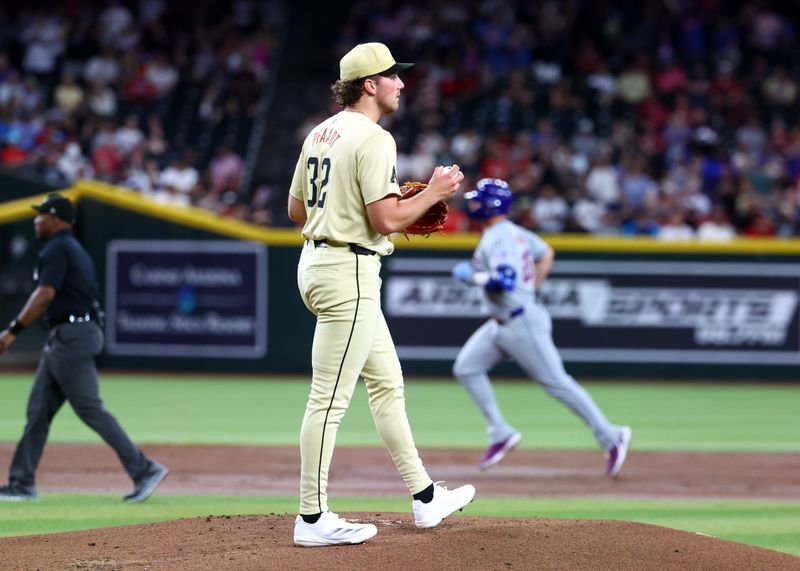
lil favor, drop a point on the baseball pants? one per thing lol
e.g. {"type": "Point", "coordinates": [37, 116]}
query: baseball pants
{"type": "Point", "coordinates": [351, 339]}
{"type": "Point", "coordinates": [67, 371]}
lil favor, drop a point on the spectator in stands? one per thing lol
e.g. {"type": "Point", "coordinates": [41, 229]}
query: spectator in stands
{"type": "Point", "coordinates": [33, 98]}
{"type": "Point", "coordinates": [43, 38]}
{"type": "Point", "coordinates": [161, 74]}
{"type": "Point", "coordinates": [103, 133]}
{"type": "Point", "coordinates": [637, 187]}
{"type": "Point", "coordinates": [584, 142]}
{"type": "Point", "coordinates": [73, 165]}
{"type": "Point", "coordinates": [709, 103]}
{"type": "Point", "coordinates": [634, 83]}
{"type": "Point", "coordinates": [101, 100]}
{"type": "Point", "coordinates": [140, 173]}
{"type": "Point", "coordinates": [415, 165]}
{"type": "Point", "coordinates": [780, 92]}
{"type": "Point", "coordinates": [110, 65]}
{"type": "Point", "coordinates": [759, 222]}
{"type": "Point", "coordinates": [204, 58]}
{"type": "Point", "coordinates": [769, 30]}
{"type": "Point", "coordinates": [717, 228]}
{"type": "Point", "coordinates": [102, 68]}
{"type": "Point", "coordinates": [114, 21]}
{"type": "Point", "coordinates": [156, 143]}
{"type": "Point", "coordinates": [107, 160]}
{"type": "Point", "coordinates": [260, 212]}
{"type": "Point", "coordinates": [226, 170]}
{"type": "Point", "coordinates": [68, 95]}
{"type": "Point", "coordinates": [586, 215]}
{"type": "Point", "coordinates": [466, 147]}
{"type": "Point", "coordinates": [12, 91]}
{"type": "Point", "coordinates": [5, 66]}
{"type": "Point", "coordinates": [12, 153]}
{"type": "Point", "coordinates": [496, 162]}
{"type": "Point", "coordinates": [640, 224]}
{"type": "Point", "coordinates": [128, 136]}
{"type": "Point", "coordinates": [180, 177]}
{"type": "Point", "coordinates": [675, 227]}
{"type": "Point", "coordinates": [727, 94]}
{"type": "Point", "coordinates": [137, 88]}
{"type": "Point", "coordinates": [602, 183]}
{"type": "Point", "coordinates": [549, 211]}
{"type": "Point", "coordinates": [210, 109]}
{"type": "Point", "coordinates": [671, 78]}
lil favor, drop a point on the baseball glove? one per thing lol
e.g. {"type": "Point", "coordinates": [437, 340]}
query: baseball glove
{"type": "Point", "coordinates": [431, 221]}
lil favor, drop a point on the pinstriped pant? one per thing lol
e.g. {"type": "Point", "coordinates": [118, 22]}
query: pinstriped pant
{"type": "Point", "coordinates": [351, 340]}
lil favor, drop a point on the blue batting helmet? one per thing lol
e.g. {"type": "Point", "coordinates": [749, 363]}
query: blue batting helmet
{"type": "Point", "coordinates": [492, 197]}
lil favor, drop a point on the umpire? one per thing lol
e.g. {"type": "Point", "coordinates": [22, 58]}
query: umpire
{"type": "Point", "coordinates": [67, 296]}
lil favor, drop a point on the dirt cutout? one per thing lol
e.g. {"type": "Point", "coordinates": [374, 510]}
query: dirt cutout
{"type": "Point", "coordinates": [461, 542]}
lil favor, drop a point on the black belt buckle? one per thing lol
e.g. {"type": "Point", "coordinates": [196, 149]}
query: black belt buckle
{"type": "Point", "coordinates": [355, 248]}
{"type": "Point", "coordinates": [361, 250]}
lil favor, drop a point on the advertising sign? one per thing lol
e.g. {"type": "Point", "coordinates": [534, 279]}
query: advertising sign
{"type": "Point", "coordinates": [616, 311]}
{"type": "Point", "coordinates": [186, 298]}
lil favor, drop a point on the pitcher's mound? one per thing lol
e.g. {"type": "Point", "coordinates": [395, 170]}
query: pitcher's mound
{"type": "Point", "coordinates": [460, 542]}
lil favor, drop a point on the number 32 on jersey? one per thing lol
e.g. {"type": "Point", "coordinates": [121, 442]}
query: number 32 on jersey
{"type": "Point", "coordinates": [318, 192]}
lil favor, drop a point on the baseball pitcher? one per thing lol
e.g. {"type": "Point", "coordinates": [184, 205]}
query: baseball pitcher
{"type": "Point", "coordinates": [346, 195]}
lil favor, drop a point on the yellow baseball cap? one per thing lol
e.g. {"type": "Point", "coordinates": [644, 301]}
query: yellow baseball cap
{"type": "Point", "coordinates": [368, 59]}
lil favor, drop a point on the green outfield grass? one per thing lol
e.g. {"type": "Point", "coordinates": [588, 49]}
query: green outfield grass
{"type": "Point", "coordinates": [164, 409]}
{"type": "Point", "coordinates": [770, 525]}
{"type": "Point", "coordinates": [681, 416]}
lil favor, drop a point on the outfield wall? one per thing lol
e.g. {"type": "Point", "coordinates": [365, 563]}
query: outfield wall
{"type": "Point", "coordinates": [185, 290]}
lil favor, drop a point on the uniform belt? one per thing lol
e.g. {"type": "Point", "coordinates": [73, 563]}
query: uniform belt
{"type": "Point", "coordinates": [516, 313]}
{"type": "Point", "coordinates": [355, 248]}
{"type": "Point", "coordinates": [71, 318]}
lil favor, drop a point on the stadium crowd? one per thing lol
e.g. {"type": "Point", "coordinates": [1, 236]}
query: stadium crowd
{"type": "Point", "coordinates": [675, 119]}
{"type": "Point", "coordinates": [94, 89]}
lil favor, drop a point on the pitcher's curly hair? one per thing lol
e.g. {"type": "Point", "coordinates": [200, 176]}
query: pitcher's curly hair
{"type": "Point", "coordinates": [347, 93]}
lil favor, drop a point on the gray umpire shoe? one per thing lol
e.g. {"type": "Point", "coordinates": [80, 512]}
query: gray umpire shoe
{"type": "Point", "coordinates": [444, 503]}
{"type": "Point", "coordinates": [14, 493]}
{"type": "Point", "coordinates": [144, 487]}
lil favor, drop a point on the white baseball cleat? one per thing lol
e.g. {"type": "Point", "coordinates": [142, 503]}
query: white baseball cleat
{"type": "Point", "coordinates": [330, 529]}
{"type": "Point", "coordinates": [444, 503]}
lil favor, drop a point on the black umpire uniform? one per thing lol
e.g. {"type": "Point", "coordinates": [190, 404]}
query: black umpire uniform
{"type": "Point", "coordinates": [67, 298]}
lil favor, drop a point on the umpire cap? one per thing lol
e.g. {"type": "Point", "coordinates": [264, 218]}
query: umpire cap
{"type": "Point", "coordinates": [57, 205]}
{"type": "Point", "coordinates": [369, 59]}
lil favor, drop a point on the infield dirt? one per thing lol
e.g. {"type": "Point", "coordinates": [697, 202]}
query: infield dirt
{"type": "Point", "coordinates": [461, 542]}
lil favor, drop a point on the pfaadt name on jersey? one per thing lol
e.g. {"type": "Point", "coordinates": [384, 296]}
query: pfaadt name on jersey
{"type": "Point", "coordinates": [327, 135]}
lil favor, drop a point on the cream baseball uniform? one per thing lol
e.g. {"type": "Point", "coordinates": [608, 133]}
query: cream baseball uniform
{"type": "Point", "coordinates": [347, 162]}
